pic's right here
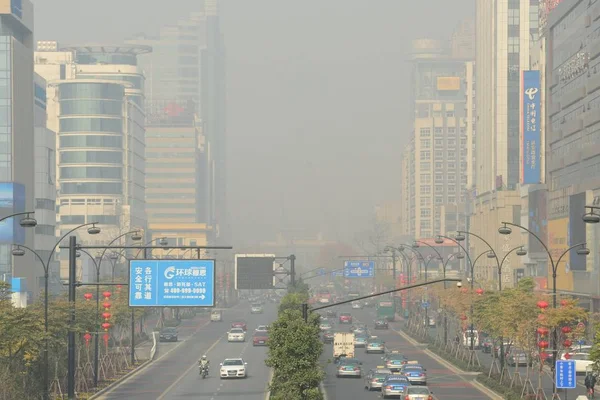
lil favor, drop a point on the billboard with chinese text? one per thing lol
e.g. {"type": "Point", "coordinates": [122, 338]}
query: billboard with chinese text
{"type": "Point", "coordinates": [172, 283]}
{"type": "Point", "coordinates": [530, 127]}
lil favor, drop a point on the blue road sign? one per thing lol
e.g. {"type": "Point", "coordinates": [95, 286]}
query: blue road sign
{"type": "Point", "coordinates": [321, 271]}
{"type": "Point", "coordinates": [425, 304]}
{"type": "Point", "coordinates": [172, 283]}
{"type": "Point", "coordinates": [359, 269]}
{"type": "Point", "coordinates": [337, 273]}
{"type": "Point", "coordinates": [565, 374]}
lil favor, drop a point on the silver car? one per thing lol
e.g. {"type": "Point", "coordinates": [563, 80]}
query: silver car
{"type": "Point", "coordinates": [415, 373]}
{"type": "Point", "coordinates": [417, 393]}
{"type": "Point", "coordinates": [394, 385]}
{"type": "Point", "coordinates": [375, 346]}
{"type": "Point", "coordinates": [346, 369]}
{"type": "Point", "coordinates": [375, 378]}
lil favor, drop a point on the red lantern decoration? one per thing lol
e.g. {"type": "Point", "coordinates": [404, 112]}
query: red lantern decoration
{"type": "Point", "coordinates": [567, 356]}
{"type": "Point", "coordinates": [106, 315]}
{"type": "Point", "coordinates": [106, 305]}
{"type": "Point", "coordinates": [463, 317]}
{"type": "Point", "coordinates": [105, 337]}
{"type": "Point", "coordinates": [106, 294]}
{"type": "Point", "coordinates": [479, 291]}
{"type": "Point", "coordinates": [567, 343]}
{"type": "Point", "coordinates": [464, 290]}
{"type": "Point", "coordinates": [566, 329]}
{"type": "Point", "coordinates": [87, 337]}
{"type": "Point", "coordinates": [105, 326]}
{"type": "Point", "coordinates": [88, 296]}
{"type": "Point", "coordinates": [543, 356]}
{"type": "Point", "coordinates": [543, 344]}
{"type": "Point", "coordinates": [541, 318]}
{"type": "Point", "coordinates": [542, 331]}
{"type": "Point", "coordinates": [564, 302]}
{"type": "Point", "coordinates": [542, 304]}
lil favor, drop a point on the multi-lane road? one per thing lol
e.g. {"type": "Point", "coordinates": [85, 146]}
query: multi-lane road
{"type": "Point", "coordinates": [174, 375]}
{"type": "Point", "coordinates": [442, 381]}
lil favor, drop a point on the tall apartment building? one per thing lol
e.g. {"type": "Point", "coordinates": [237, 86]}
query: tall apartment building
{"type": "Point", "coordinates": [98, 109]}
{"type": "Point", "coordinates": [572, 93]}
{"type": "Point", "coordinates": [45, 182]}
{"type": "Point", "coordinates": [435, 163]}
{"type": "Point", "coordinates": [186, 77]}
{"type": "Point", "coordinates": [17, 140]}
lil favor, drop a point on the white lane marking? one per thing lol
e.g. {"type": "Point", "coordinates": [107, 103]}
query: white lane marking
{"type": "Point", "coordinates": [194, 365]}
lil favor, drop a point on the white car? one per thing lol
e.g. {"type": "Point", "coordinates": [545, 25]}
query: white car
{"type": "Point", "coordinates": [356, 305]}
{"type": "Point", "coordinates": [236, 335]}
{"type": "Point", "coordinates": [262, 328]}
{"type": "Point", "coordinates": [233, 368]}
{"type": "Point", "coordinates": [582, 362]}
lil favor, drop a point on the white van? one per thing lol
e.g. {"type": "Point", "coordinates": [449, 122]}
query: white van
{"type": "Point", "coordinates": [471, 336]}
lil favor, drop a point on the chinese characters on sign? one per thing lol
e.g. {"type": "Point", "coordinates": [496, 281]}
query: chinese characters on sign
{"type": "Point", "coordinates": [530, 128]}
{"type": "Point", "coordinates": [172, 283]}
{"type": "Point", "coordinates": [359, 269]}
{"type": "Point", "coordinates": [565, 374]}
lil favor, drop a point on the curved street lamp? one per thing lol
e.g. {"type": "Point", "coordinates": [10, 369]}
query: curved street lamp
{"type": "Point", "coordinates": [18, 252]}
{"type": "Point", "coordinates": [506, 229]}
{"type": "Point", "coordinates": [163, 241]}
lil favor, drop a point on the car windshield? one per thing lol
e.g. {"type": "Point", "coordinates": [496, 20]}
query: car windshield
{"type": "Point", "coordinates": [396, 378]}
{"type": "Point", "coordinates": [233, 362]}
{"type": "Point", "coordinates": [380, 376]}
{"type": "Point", "coordinates": [417, 390]}
{"type": "Point", "coordinates": [350, 361]}
{"type": "Point", "coordinates": [169, 330]}
{"type": "Point", "coordinates": [345, 315]}
{"type": "Point", "coordinates": [237, 330]}
{"type": "Point", "coordinates": [261, 334]}
{"type": "Point", "coordinates": [412, 370]}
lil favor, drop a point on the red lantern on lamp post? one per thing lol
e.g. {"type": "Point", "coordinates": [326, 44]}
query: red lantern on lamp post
{"type": "Point", "coordinates": [479, 291]}
{"type": "Point", "coordinates": [105, 337]}
{"type": "Point", "coordinates": [87, 337]}
{"type": "Point", "coordinates": [566, 329]}
{"type": "Point", "coordinates": [567, 343]}
{"type": "Point", "coordinates": [88, 296]}
{"type": "Point", "coordinates": [464, 290]}
{"type": "Point", "coordinates": [106, 294]}
{"type": "Point", "coordinates": [543, 344]}
{"type": "Point", "coordinates": [542, 304]}
{"type": "Point", "coordinates": [106, 326]}
{"type": "Point", "coordinates": [567, 356]}
{"type": "Point", "coordinates": [106, 315]}
{"type": "Point", "coordinates": [106, 305]}
{"type": "Point", "coordinates": [542, 331]}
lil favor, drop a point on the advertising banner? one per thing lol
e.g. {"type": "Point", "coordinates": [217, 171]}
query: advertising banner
{"type": "Point", "coordinates": [12, 200]}
{"type": "Point", "coordinates": [530, 128]}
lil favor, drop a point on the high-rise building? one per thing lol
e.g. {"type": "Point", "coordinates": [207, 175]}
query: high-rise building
{"type": "Point", "coordinates": [17, 139]}
{"type": "Point", "coordinates": [436, 163]}
{"type": "Point", "coordinates": [98, 109]}
{"type": "Point", "coordinates": [186, 77]}
{"type": "Point", "coordinates": [45, 183]}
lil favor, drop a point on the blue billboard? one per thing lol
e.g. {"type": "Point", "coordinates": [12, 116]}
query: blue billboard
{"type": "Point", "coordinates": [172, 283]}
{"type": "Point", "coordinates": [566, 377]}
{"type": "Point", "coordinates": [12, 201]}
{"type": "Point", "coordinates": [359, 269]}
{"type": "Point", "coordinates": [530, 128]}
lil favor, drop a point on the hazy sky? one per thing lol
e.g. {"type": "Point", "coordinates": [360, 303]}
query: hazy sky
{"type": "Point", "coordinates": [317, 101]}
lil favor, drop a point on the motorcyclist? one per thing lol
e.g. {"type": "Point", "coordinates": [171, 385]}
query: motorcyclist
{"type": "Point", "coordinates": [590, 382]}
{"type": "Point", "coordinates": [203, 362]}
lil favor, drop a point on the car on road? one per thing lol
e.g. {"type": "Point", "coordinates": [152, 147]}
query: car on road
{"type": "Point", "coordinates": [332, 313]}
{"type": "Point", "coordinates": [360, 340]}
{"type": "Point", "coordinates": [375, 377]}
{"type": "Point", "coordinates": [487, 344]}
{"type": "Point", "coordinates": [236, 335]}
{"type": "Point", "coordinates": [256, 309]}
{"type": "Point", "coordinates": [260, 338]}
{"type": "Point", "coordinates": [359, 329]}
{"type": "Point", "coordinates": [381, 324]}
{"type": "Point", "coordinates": [368, 304]}
{"type": "Point", "coordinates": [394, 361]}
{"type": "Point", "coordinates": [216, 316]}
{"type": "Point", "coordinates": [356, 305]}
{"type": "Point", "coordinates": [240, 324]}
{"type": "Point", "coordinates": [349, 367]}
{"type": "Point", "coordinates": [417, 393]}
{"type": "Point", "coordinates": [582, 362]}
{"type": "Point", "coordinates": [375, 345]}
{"type": "Point", "coordinates": [233, 368]}
{"type": "Point", "coordinates": [394, 385]}
{"type": "Point", "coordinates": [325, 326]}
{"type": "Point", "coordinates": [328, 337]}
{"type": "Point", "coordinates": [517, 357]}
{"type": "Point", "coordinates": [345, 318]}
{"type": "Point", "coordinates": [168, 335]}
{"type": "Point", "coordinates": [262, 328]}
{"type": "Point", "coordinates": [416, 374]}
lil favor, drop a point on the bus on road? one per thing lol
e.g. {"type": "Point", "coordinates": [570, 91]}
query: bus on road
{"type": "Point", "coordinates": [386, 309]}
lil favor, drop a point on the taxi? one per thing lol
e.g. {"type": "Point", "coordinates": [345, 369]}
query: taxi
{"type": "Point", "coordinates": [375, 377]}
{"type": "Point", "coordinates": [394, 385]}
{"type": "Point", "coordinates": [415, 373]}
{"type": "Point", "coordinates": [349, 367]}
{"type": "Point", "coordinates": [394, 361]}
{"type": "Point", "coordinates": [360, 341]}
{"type": "Point", "coordinates": [375, 345]}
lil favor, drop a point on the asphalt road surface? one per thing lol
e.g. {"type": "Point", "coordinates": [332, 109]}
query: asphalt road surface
{"type": "Point", "coordinates": [175, 374]}
{"type": "Point", "coordinates": [444, 383]}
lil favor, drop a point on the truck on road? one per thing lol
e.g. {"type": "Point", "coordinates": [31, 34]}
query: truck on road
{"type": "Point", "coordinates": [386, 310]}
{"type": "Point", "coordinates": [343, 345]}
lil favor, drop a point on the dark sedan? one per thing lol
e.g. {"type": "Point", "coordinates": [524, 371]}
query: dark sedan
{"type": "Point", "coordinates": [381, 324]}
{"type": "Point", "coordinates": [168, 335]}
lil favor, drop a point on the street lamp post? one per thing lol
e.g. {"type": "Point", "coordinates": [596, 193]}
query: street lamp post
{"type": "Point", "coordinates": [416, 244]}
{"type": "Point", "coordinates": [505, 229]}
{"type": "Point", "coordinates": [445, 264]}
{"type": "Point", "coordinates": [18, 251]}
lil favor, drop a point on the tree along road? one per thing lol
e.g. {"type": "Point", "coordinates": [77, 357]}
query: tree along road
{"type": "Point", "coordinates": [444, 383]}
{"type": "Point", "coordinates": [176, 376]}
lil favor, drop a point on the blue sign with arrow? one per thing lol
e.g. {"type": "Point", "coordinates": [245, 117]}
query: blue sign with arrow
{"type": "Point", "coordinates": [359, 269]}
{"type": "Point", "coordinates": [172, 283]}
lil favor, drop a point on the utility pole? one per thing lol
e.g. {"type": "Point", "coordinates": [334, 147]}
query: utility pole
{"type": "Point", "coordinates": [71, 335]}
{"type": "Point", "coordinates": [293, 270]}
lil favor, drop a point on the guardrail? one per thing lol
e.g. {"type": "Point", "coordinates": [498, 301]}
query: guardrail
{"type": "Point", "coordinates": [154, 349]}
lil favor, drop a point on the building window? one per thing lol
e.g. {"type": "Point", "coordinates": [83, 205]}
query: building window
{"type": "Point", "coordinates": [425, 178]}
{"type": "Point", "coordinates": [438, 131]}
{"type": "Point", "coordinates": [439, 178]}
{"type": "Point", "coordinates": [439, 142]}
{"type": "Point", "coordinates": [439, 200]}
{"type": "Point", "coordinates": [425, 212]}
{"type": "Point", "coordinates": [439, 188]}
{"type": "Point", "coordinates": [425, 144]}
{"type": "Point", "coordinates": [425, 165]}
{"type": "Point", "coordinates": [425, 155]}
{"type": "Point", "coordinates": [451, 142]}
{"type": "Point", "coordinates": [451, 131]}
{"type": "Point", "coordinates": [425, 131]}
{"type": "Point", "coordinates": [425, 189]}
{"type": "Point", "coordinates": [449, 114]}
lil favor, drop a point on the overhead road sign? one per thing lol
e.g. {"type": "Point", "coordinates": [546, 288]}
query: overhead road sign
{"type": "Point", "coordinates": [359, 269]}
{"type": "Point", "coordinates": [172, 283]}
{"type": "Point", "coordinates": [338, 273]}
{"type": "Point", "coordinates": [254, 271]}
